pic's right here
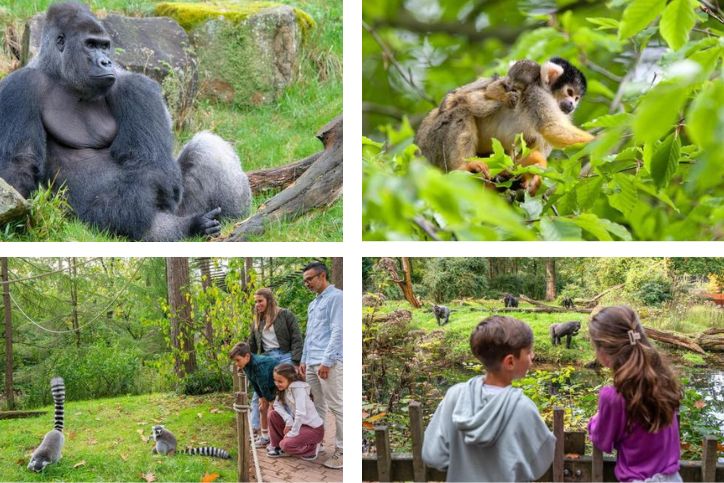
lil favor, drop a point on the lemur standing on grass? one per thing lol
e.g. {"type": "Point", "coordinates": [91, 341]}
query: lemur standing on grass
{"type": "Point", "coordinates": [50, 448]}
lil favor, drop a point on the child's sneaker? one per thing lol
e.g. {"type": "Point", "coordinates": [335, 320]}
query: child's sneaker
{"type": "Point", "coordinates": [275, 452]}
{"type": "Point", "coordinates": [261, 441]}
{"type": "Point", "coordinates": [335, 461]}
{"type": "Point", "coordinates": [313, 456]}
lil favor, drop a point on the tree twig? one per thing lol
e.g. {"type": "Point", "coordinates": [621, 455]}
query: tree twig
{"type": "Point", "coordinates": [390, 57]}
{"type": "Point", "coordinates": [597, 68]}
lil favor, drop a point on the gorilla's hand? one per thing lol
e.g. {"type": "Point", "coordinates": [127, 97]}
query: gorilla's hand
{"type": "Point", "coordinates": [206, 224]}
{"type": "Point", "coordinates": [168, 191]}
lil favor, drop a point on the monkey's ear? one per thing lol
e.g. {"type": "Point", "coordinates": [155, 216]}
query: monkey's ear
{"type": "Point", "coordinates": [549, 72]}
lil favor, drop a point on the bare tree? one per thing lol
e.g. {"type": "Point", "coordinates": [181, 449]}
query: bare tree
{"type": "Point", "coordinates": [177, 279]}
{"type": "Point", "coordinates": [405, 283]}
{"type": "Point", "coordinates": [74, 299]}
{"type": "Point", "coordinates": [550, 279]}
{"type": "Point", "coordinates": [206, 282]}
{"type": "Point", "coordinates": [9, 393]}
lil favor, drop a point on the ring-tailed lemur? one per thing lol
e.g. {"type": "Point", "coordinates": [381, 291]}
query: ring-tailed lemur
{"type": "Point", "coordinates": [166, 445]}
{"type": "Point", "coordinates": [50, 448]}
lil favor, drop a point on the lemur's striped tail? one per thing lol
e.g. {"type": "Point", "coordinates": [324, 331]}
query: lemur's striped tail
{"type": "Point", "coordinates": [57, 387]}
{"type": "Point", "coordinates": [207, 451]}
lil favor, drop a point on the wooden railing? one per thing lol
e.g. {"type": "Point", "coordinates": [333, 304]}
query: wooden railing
{"type": "Point", "coordinates": [241, 401]}
{"type": "Point", "coordinates": [388, 466]}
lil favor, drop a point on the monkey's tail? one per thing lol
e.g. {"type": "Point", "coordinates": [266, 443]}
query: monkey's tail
{"type": "Point", "coordinates": [57, 388]}
{"type": "Point", "coordinates": [207, 451]}
{"type": "Point", "coordinates": [563, 133]}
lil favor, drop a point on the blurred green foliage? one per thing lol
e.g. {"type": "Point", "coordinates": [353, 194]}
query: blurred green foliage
{"type": "Point", "coordinates": [653, 173]}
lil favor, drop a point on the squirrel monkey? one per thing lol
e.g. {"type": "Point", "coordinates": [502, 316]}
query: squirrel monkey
{"type": "Point", "coordinates": [535, 100]}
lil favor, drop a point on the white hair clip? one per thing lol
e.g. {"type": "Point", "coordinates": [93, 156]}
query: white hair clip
{"type": "Point", "coordinates": [633, 337]}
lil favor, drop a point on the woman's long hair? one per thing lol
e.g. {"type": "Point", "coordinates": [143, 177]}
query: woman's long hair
{"type": "Point", "coordinates": [288, 372]}
{"type": "Point", "coordinates": [271, 311]}
{"type": "Point", "coordinates": [645, 380]}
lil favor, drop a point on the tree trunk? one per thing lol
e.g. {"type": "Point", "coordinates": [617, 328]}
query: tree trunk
{"type": "Point", "coordinates": [177, 276]}
{"type": "Point", "coordinates": [541, 307]}
{"type": "Point", "coordinates": [550, 279]}
{"type": "Point", "coordinates": [248, 267]}
{"type": "Point", "coordinates": [206, 282]}
{"type": "Point", "coordinates": [276, 178]}
{"type": "Point", "coordinates": [389, 265]}
{"type": "Point", "coordinates": [9, 392]}
{"type": "Point", "coordinates": [319, 186]}
{"type": "Point", "coordinates": [337, 272]}
{"type": "Point", "coordinates": [74, 299]}
{"type": "Point", "coordinates": [594, 301]}
{"type": "Point", "coordinates": [712, 340]}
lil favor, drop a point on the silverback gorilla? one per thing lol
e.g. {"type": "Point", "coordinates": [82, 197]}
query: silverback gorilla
{"type": "Point", "coordinates": [74, 118]}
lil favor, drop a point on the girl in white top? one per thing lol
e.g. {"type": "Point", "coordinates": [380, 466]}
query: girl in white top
{"type": "Point", "coordinates": [295, 428]}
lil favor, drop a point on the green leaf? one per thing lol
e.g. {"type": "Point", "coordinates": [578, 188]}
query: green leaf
{"type": "Point", "coordinates": [559, 229]}
{"type": "Point", "coordinates": [532, 206]}
{"type": "Point", "coordinates": [677, 21]}
{"type": "Point", "coordinates": [665, 161]}
{"type": "Point", "coordinates": [592, 224]}
{"type": "Point", "coordinates": [704, 120]}
{"type": "Point", "coordinates": [659, 110]}
{"type": "Point", "coordinates": [610, 120]}
{"type": "Point", "coordinates": [708, 60]}
{"type": "Point", "coordinates": [604, 23]}
{"type": "Point", "coordinates": [638, 15]}
{"type": "Point", "coordinates": [588, 191]}
{"type": "Point", "coordinates": [625, 198]}
{"type": "Point", "coordinates": [370, 148]}
{"type": "Point", "coordinates": [597, 87]}
{"type": "Point", "coordinates": [616, 229]}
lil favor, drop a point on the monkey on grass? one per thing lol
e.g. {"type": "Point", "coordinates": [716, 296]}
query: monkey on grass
{"type": "Point", "coordinates": [166, 445]}
{"type": "Point", "coordinates": [533, 100]}
{"type": "Point", "coordinates": [510, 301]}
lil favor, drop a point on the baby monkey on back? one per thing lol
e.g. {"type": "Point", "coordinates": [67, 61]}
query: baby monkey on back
{"type": "Point", "coordinates": [535, 100]}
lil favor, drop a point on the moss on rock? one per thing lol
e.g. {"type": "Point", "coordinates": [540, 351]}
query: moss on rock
{"type": "Point", "coordinates": [190, 15]}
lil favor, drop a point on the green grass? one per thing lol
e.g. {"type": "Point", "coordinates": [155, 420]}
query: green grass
{"type": "Point", "coordinates": [105, 439]}
{"type": "Point", "coordinates": [265, 136]}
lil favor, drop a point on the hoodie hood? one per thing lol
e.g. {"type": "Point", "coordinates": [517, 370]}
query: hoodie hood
{"type": "Point", "coordinates": [483, 417]}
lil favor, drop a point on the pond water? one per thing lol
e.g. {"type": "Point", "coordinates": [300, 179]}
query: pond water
{"type": "Point", "coordinates": [710, 384]}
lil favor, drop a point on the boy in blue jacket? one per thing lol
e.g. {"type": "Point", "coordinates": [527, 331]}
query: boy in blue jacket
{"type": "Point", "coordinates": [259, 370]}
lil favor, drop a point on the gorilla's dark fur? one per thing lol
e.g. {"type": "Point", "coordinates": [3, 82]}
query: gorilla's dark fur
{"type": "Point", "coordinates": [568, 329]}
{"type": "Point", "coordinates": [510, 301]}
{"type": "Point", "coordinates": [567, 303]}
{"type": "Point", "coordinates": [74, 118]}
{"type": "Point", "coordinates": [442, 314]}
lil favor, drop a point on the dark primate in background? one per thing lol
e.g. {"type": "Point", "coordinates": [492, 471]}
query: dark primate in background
{"type": "Point", "coordinates": [510, 301]}
{"type": "Point", "coordinates": [72, 117]}
{"type": "Point", "coordinates": [568, 303]}
{"type": "Point", "coordinates": [442, 314]}
{"type": "Point", "coordinates": [568, 329]}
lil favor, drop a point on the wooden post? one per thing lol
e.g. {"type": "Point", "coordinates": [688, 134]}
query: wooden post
{"type": "Point", "coordinates": [558, 454]}
{"type": "Point", "coordinates": [242, 425]}
{"type": "Point", "coordinates": [596, 465]}
{"type": "Point", "coordinates": [418, 466]}
{"type": "Point", "coordinates": [708, 459]}
{"type": "Point", "coordinates": [384, 455]}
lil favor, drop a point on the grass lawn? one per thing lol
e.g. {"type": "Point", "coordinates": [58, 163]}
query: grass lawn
{"type": "Point", "coordinates": [109, 439]}
{"type": "Point", "coordinates": [264, 136]}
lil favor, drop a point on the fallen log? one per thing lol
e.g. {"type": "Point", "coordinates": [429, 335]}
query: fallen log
{"type": "Point", "coordinates": [712, 340]}
{"type": "Point", "coordinates": [281, 177]}
{"type": "Point", "coordinates": [545, 308]}
{"type": "Point", "coordinates": [20, 414]}
{"type": "Point", "coordinates": [674, 339]}
{"type": "Point", "coordinates": [320, 185]}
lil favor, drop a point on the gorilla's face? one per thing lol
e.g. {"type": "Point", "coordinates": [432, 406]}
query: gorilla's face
{"type": "Point", "coordinates": [86, 62]}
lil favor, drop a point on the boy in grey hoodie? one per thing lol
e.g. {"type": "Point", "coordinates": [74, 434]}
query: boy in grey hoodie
{"type": "Point", "coordinates": [484, 429]}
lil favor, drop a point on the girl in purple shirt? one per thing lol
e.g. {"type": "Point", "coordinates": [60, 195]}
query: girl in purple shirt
{"type": "Point", "coordinates": [638, 414]}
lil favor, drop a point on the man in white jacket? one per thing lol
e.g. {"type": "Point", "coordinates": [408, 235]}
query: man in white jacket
{"type": "Point", "coordinates": [484, 429]}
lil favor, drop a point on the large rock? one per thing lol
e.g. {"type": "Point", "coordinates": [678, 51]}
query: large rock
{"type": "Point", "coordinates": [12, 204]}
{"type": "Point", "coordinates": [157, 47]}
{"type": "Point", "coordinates": [248, 52]}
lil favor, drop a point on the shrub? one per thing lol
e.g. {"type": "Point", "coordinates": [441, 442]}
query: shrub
{"type": "Point", "coordinates": [205, 381]}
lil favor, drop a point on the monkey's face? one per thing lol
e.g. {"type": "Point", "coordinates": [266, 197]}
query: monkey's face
{"type": "Point", "coordinates": [568, 96]}
{"type": "Point", "coordinates": [156, 432]}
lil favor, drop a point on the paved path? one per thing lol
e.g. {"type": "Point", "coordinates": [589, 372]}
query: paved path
{"type": "Point", "coordinates": [296, 469]}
